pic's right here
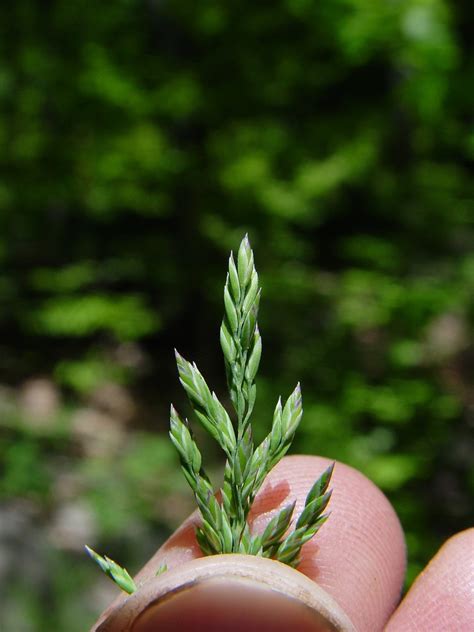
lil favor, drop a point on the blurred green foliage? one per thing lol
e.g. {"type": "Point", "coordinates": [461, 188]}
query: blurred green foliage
{"type": "Point", "coordinates": [140, 141]}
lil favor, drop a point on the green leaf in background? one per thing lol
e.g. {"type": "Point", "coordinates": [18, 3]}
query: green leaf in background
{"type": "Point", "coordinates": [126, 317]}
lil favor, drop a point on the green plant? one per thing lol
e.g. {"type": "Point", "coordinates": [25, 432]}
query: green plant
{"type": "Point", "coordinates": [225, 528]}
{"type": "Point", "coordinates": [118, 574]}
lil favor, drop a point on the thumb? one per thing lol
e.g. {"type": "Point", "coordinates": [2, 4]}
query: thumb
{"type": "Point", "coordinates": [356, 561]}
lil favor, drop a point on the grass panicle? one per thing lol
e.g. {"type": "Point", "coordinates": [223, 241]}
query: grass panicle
{"type": "Point", "coordinates": [224, 527]}
{"type": "Point", "coordinates": [247, 465]}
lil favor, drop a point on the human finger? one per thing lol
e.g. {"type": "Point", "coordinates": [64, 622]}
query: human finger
{"type": "Point", "coordinates": [442, 597]}
{"type": "Point", "coordinates": [358, 557]}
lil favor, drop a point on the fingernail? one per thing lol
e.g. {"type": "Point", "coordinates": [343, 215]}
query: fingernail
{"type": "Point", "coordinates": [229, 593]}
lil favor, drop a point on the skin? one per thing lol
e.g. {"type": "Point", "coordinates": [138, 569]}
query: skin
{"type": "Point", "coordinates": [358, 558]}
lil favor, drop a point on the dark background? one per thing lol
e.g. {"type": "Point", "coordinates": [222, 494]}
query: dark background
{"type": "Point", "coordinates": [140, 141]}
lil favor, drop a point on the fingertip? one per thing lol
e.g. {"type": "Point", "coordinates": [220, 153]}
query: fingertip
{"type": "Point", "coordinates": [358, 556]}
{"type": "Point", "coordinates": [442, 597]}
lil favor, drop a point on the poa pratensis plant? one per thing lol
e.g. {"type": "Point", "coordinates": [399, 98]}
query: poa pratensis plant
{"type": "Point", "coordinates": [224, 527]}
